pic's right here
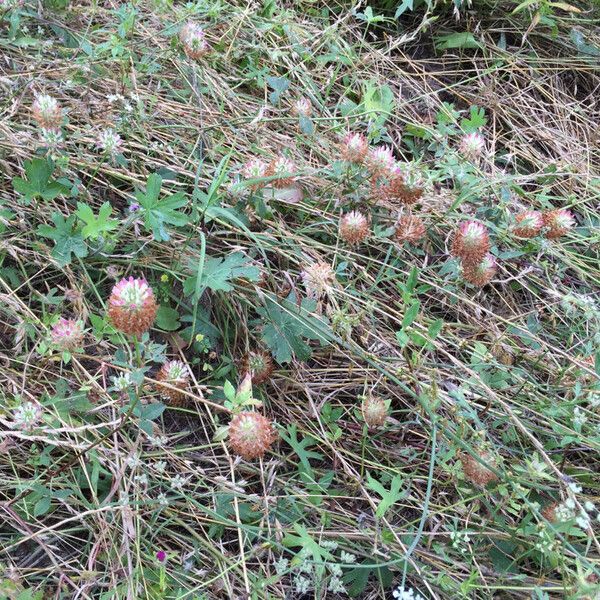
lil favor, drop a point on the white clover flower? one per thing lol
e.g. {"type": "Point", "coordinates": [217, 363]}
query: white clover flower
{"type": "Point", "coordinates": [122, 382]}
{"type": "Point", "coordinates": [178, 482]}
{"type": "Point", "coordinates": [402, 593]}
{"type": "Point", "coordinates": [301, 584]}
{"type": "Point", "coordinates": [26, 416]}
{"type": "Point", "coordinates": [281, 566]}
{"type": "Point", "coordinates": [109, 141]}
{"type": "Point", "coordinates": [336, 586]}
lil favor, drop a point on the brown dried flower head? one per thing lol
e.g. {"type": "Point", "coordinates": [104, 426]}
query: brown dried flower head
{"type": "Point", "coordinates": [480, 273]}
{"type": "Point", "coordinates": [374, 411]}
{"type": "Point", "coordinates": [354, 227]}
{"type": "Point", "coordinates": [471, 242]}
{"type": "Point", "coordinates": [251, 435]}
{"type": "Point", "coordinates": [258, 364]}
{"type": "Point", "coordinates": [409, 228]}
{"type": "Point", "coordinates": [558, 222]}
{"type": "Point", "coordinates": [478, 473]}
{"type": "Point", "coordinates": [132, 306]}
{"type": "Point", "coordinates": [175, 373]}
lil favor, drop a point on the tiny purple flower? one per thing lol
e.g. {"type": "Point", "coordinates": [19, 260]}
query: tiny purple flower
{"type": "Point", "coordinates": [134, 207]}
{"type": "Point", "coordinates": [161, 556]}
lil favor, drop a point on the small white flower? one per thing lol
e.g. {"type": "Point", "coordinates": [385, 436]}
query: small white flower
{"type": "Point", "coordinates": [133, 461]}
{"type": "Point", "coordinates": [178, 482]}
{"type": "Point", "coordinates": [402, 593]}
{"type": "Point", "coordinates": [160, 466]}
{"type": "Point", "coordinates": [122, 382]}
{"type": "Point", "coordinates": [579, 417]}
{"type": "Point", "coordinates": [329, 545]}
{"type": "Point", "coordinates": [141, 479]}
{"type": "Point", "coordinates": [347, 557]}
{"type": "Point", "coordinates": [335, 570]}
{"type": "Point", "coordinates": [281, 566]}
{"type": "Point", "coordinates": [26, 416]}
{"type": "Point", "coordinates": [575, 488]}
{"type": "Point", "coordinates": [583, 520]}
{"type": "Point", "coordinates": [109, 141]}
{"type": "Point", "coordinates": [301, 584]}
{"type": "Point", "coordinates": [589, 506]}
{"type": "Point", "coordinates": [336, 586]}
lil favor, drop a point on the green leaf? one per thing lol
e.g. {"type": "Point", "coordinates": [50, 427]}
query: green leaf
{"type": "Point", "coordinates": [287, 325]}
{"type": "Point", "coordinates": [411, 314]}
{"type": "Point", "coordinates": [379, 100]}
{"type": "Point", "coordinates": [279, 85]}
{"type": "Point", "coordinates": [388, 497]}
{"type": "Point", "coordinates": [42, 506]}
{"type": "Point", "coordinates": [167, 318]}
{"type": "Point", "coordinates": [306, 125]}
{"type": "Point", "coordinates": [475, 121]}
{"type": "Point", "coordinates": [456, 40]}
{"type": "Point", "coordinates": [96, 226]}
{"type": "Point", "coordinates": [38, 183]}
{"type": "Point", "coordinates": [158, 213]}
{"type": "Point", "coordinates": [219, 273]}
{"type": "Point", "coordinates": [67, 238]}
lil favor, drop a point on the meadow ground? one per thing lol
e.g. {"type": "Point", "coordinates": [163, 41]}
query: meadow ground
{"type": "Point", "coordinates": [366, 235]}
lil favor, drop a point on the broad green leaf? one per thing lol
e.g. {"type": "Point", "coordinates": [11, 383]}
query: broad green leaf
{"type": "Point", "coordinates": [287, 325]}
{"type": "Point", "coordinates": [96, 226]}
{"type": "Point", "coordinates": [159, 213]}
{"type": "Point", "coordinates": [67, 238]}
{"type": "Point", "coordinates": [38, 183]}
{"type": "Point", "coordinates": [218, 274]}
{"type": "Point", "coordinates": [456, 40]}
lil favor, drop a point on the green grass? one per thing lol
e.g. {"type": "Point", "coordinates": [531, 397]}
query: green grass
{"type": "Point", "coordinates": [502, 379]}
